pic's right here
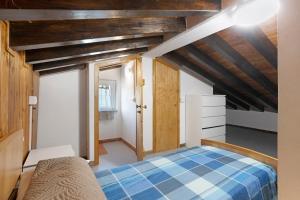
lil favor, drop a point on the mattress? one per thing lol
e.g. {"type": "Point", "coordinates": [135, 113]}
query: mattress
{"type": "Point", "coordinates": [206, 173]}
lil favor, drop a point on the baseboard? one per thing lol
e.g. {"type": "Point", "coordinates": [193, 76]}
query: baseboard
{"type": "Point", "coordinates": [255, 129]}
{"type": "Point", "coordinates": [146, 153]}
{"type": "Point", "coordinates": [182, 145]}
{"type": "Point", "coordinates": [129, 145]}
{"type": "Point", "coordinates": [110, 140]}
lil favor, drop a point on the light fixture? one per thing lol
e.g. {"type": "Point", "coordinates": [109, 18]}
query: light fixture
{"type": "Point", "coordinates": [253, 12]}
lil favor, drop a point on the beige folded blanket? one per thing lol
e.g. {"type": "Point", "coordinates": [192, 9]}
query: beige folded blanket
{"type": "Point", "coordinates": [63, 179]}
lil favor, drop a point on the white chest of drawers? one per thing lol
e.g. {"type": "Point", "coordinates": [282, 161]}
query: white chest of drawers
{"type": "Point", "coordinates": [205, 118]}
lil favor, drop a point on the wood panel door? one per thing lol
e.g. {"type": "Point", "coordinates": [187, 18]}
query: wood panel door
{"type": "Point", "coordinates": [165, 107]}
{"type": "Point", "coordinates": [139, 83]}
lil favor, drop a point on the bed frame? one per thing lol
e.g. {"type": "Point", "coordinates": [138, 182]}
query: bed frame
{"type": "Point", "coordinates": [11, 157]}
{"type": "Point", "coordinates": [243, 151]}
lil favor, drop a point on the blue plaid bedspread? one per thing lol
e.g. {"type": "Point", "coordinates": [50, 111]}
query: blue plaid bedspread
{"type": "Point", "coordinates": [198, 173]}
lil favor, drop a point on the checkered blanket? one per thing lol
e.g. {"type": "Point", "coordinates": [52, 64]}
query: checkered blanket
{"type": "Point", "coordinates": [205, 172]}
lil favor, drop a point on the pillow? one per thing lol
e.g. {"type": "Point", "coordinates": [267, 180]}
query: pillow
{"type": "Point", "coordinates": [64, 178]}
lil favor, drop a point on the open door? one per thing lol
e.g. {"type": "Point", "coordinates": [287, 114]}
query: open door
{"type": "Point", "coordinates": [139, 83]}
{"type": "Point", "coordinates": [165, 107]}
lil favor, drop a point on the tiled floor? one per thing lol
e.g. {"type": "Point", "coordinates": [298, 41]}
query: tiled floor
{"type": "Point", "coordinates": [118, 154]}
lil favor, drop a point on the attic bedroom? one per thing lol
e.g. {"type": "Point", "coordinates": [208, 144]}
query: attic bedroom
{"type": "Point", "coordinates": [145, 100]}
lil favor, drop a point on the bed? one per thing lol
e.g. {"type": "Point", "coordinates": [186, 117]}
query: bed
{"type": "Point", "coordinates": [213, 171]}
{"type": "Point", "coordinates": [58, 178]}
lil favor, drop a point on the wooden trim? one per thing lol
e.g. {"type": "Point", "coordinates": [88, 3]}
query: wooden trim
{"type": "Point", "coordinates": [129, 145]}
{"type": "Point", "coordinates": [109, 140]}
{"type": "Point", "coordinates": [139, 82]}
{"type": "Point", "coordinates": [35, 92]}
{"type": "Point", "coordinates": [244, 151]}
{"type": "Point", "coordinates": [254, 129]}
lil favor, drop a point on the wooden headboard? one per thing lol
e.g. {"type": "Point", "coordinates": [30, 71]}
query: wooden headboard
{"type": "Point", "coordinates": [11, 152]}
{"type": "Point", "coordinates": [243, 151]}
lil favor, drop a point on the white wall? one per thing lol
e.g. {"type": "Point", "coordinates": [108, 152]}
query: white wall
{"type": "Point", "coordinates": [111, 122]}
{"type": "Point", "coordinates": [128, 105]}
{"type": "Point", "coordinates": [60, 121]}
{"type": "Point", "coordinates": [188, 85]}
{"type": "Point", "coordinates": [252, 119]}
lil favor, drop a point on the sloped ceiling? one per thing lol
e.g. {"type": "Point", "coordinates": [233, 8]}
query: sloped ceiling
{"type": "Point", "coordinates": [241, 62]}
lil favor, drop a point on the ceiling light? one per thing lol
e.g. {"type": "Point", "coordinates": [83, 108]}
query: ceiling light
{"type": "Point", "coordinates": [254, 12]}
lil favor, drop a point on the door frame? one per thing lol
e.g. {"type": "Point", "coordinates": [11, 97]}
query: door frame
{"type": "Point", "coordinates": [139, 135]}
{"type": "Point", "coordinates": [154, 103]}
{"type": "Point", "coordinates": [139, 143]}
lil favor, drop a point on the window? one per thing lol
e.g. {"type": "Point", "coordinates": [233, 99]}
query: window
{"type": "Point", "coordinates": [107, 95]}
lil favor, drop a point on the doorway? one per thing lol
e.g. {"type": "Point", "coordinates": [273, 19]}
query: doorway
{"type": "Point", "coordinates": [120, 108]}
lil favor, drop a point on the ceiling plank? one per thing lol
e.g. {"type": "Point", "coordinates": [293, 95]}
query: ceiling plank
{"type": "Point", "coordinates": [231, 105]}
{"type": "Point", "coordinates": [224, 49]}
{"type": "Point", "coordinates": [37, 56]}
{"type": "Point", "coordinates": [48, 14]}
{"type": "Point", "coordinates": [62, 69]}
{"type": "Point", "coordinates": [180, 60]}
{"type": "Point", "coordinates": [231, 98]}
{"type": "Point", "coordinates": [113, 4]}
{"type": "Point", "coordinates": [86, 59]}
{"type": "Point", "coordinates": [260, 41]}
{"type": "Point", "coordinates": [206, 60]}
{"type": "Point", "coordinates": [43, 34]}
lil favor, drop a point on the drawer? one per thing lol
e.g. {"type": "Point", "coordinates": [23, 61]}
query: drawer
{"type": "Point", "coordinates": [213, 101]}
{"type": "Point", "coordinates": [213, 111]}
{"type": "Point", "coordinates": [220, 138]}
{"type": "Point", "coordinates": [213, 121]}
{"type": "Point", "coordinates": [213, 132]}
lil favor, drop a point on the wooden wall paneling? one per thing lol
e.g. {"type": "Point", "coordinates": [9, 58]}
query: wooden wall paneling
{"type": "Point", "coordinates": [15, 87]}
{"type": "Point", "coordinates": [4, 74]}
{"type": "Point", "coordinates": [10, 162]}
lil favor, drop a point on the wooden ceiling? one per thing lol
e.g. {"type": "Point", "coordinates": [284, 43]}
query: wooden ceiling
{"type": "Point", "coordinates": [60, 35]}
{"type": "Point", "coordinates": [70, 33]}
{"type": "Point", "coordinates": [240, 62]}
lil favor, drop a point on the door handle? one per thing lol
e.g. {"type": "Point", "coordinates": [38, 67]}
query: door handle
{"type": "Point", "coordinates": [140, 106]}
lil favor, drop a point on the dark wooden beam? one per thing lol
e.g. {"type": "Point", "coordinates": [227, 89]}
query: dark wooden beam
{"type": "Point", "coordinates": [44, 34]}
{"type": "Point", "coordinates": [62, 69]}
{"type": "Point", "coordinates": [232, 98]}
{"type": "Point", "coordinates": [113, 4]}
{"type": "Point", "coordinates": [46, 14]}
{"type": "Point", "coordinates": [224, 49]}
{"type": "Point", "coordinates": [110, 67]}
{"type": "Point", "coordinates": [201, 57]}
{"type": "Point", "coordinates": [86, 59]}
{"type": "Point", "coordinates": [260, 41]}
{"type": "Point", "coordinates": [231, 105]}
{"type": "Point", "coordinates": [37, 56]}
{"type": "Point", "coordinates": [180, 60]}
